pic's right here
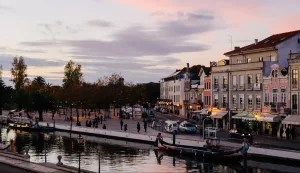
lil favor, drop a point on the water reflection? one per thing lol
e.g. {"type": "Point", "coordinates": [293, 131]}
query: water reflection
{"type": "Point", "coordinates": [120, 156]}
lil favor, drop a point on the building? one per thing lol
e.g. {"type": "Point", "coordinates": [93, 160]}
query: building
{"type": "Point", "coordinates": [179, 91]}
{"type": "Point", "coordinates": [205, 86]}
{"type": "Point", "coordinates": [220, 91]}
{"type": "Point", "coordinates": [247, 66]}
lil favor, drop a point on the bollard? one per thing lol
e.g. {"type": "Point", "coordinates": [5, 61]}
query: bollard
{"type": "Point", "coordinates": [59, 163]}
{"type": "Point", "coordinates": [174, 137]}
{"type": "Point", "coordinates": [27, 156]}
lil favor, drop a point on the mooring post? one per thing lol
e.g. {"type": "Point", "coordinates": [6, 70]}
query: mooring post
{"type": "Point", "coordinates": [174, 137]}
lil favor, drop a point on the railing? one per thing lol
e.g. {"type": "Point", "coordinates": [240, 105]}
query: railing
{"type": "Point", "coordinates": [216, 87]}
{"type": "Point", "coordinates": [225, 86]}
{"type": "Point", "coordinates": [241, 106]}
{"type": "Point", "coordinates": [257, 86]}
{"type": "Point", "coordinates": [241, 87]}
{"type": "Point", "coordinates": [250, 106]}
{"type": "Point", "coordinates": [234, 87]}
{"type": "Point", "coordinates": [250, 86]}
{"type": "Point", "coordinates": [224, 105]}
{"type": "Point", "coordinates": [234, 106]}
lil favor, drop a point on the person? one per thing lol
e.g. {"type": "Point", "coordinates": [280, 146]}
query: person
{"type": "Point", "coordinates": [287, 132]}
{"type": "Point", "coordinates": [104, 126]}
{"type": "Point", "coordinates": [293, 132]}
{"type": "Point", "coordinates": [145, 126]}
{"type": "Point", "coordinates": [188, 116]}
{"type": "Point", "coordinates": [121, 123]}
{"type": "Point", "coordinates": [281, 131]}
{"type": "Point", "coordinates": [125, 127]}
{"type": "Point", "coordinates": [138, 127]}
{"type": "Point", "coordinates": [87, 123]}
{"type": "Point", "coordinates": [101, 119]}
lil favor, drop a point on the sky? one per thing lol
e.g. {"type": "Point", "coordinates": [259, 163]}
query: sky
{"type": "Point", "coordinates": [144, 40]}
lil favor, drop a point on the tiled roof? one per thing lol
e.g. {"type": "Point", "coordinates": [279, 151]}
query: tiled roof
{"type": "Point", "coordinates": [266, 43]}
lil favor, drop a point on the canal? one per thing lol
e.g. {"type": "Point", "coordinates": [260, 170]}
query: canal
{"type": "Point", "coordinates": [120, 156]}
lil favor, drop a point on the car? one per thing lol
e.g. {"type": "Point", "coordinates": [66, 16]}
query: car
{"type": "Point", "coordinates": [187, 127]}
{"type": "Point", "coordinates": [240, 134]}
{"type": "Point", "coordinates": [164, 111]}
{"type": "Point", "coordinates": [171, 126]}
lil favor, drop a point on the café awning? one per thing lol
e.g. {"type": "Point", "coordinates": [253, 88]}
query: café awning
{"type": "Point", "coordinates": [244, 116]}
{"type": "Point", "coordinates": [219, 115]}
{"type": "Point", "coordinates": [269, 118]}
{"type": "Point", "coordinates": [292, 119]}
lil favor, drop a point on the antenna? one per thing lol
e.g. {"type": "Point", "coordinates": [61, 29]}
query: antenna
{"type": "Point", "coordinates": [230, 41]}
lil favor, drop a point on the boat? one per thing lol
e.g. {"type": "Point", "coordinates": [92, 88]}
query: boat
{"type": "Point", "coordinates": [4, 146]}
{"type": "Point", "coordinates": [20, 126]}
{"type": "Point", "coordinates": [205, 152]}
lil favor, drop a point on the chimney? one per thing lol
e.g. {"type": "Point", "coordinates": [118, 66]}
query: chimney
{"type": "Point", "coordinates": [236, 47]}
{"type": "Point", "coordinates": [255, 41]}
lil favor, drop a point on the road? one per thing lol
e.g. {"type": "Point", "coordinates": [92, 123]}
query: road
{"type": "Point", "coordinates": [10, 169]}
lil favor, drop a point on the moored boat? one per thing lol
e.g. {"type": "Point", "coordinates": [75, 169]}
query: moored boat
{"type": "Point", "coordinates": [205, 152]}
{"type": "Point", "coordinates": [20, 126]}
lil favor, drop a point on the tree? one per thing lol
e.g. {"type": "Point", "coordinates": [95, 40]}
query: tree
{"type": "Point", "coordinates": [72, 75]}
{"type": "Point", "coordinates": [39, 82]}
{"type": "Point", "coordinates": [19, 76]}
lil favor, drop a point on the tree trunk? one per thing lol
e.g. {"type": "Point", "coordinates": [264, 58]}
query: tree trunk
{"type": "Point", "coordinates": [40, 115]}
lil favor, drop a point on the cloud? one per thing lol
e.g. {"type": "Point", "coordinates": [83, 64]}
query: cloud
{"type": "Point", "coordinates": [5, 8]}
{"type": "Point", "coordinates": [99, 23]}
{"type": "Point", "coordinates": [57, 28]}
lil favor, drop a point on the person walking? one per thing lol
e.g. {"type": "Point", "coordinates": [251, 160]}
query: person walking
{"type": "Point", "coordinates": [281, 132]}
{"type": "Point", "coordinates": [125, 127]}
{"type": "Point", "coordinates": [101, 119]}
{"type": "Point", "coordinates": [104, 126]}
{"type": "Point", "coordinates": [138, 127]}
{"type": "Point", "coordinates": [145, 126]}
{"type": "Point", "coordinates": [287, 132]}
{"type": "Point", "coordinates": [293, 133]}
{"type": "Point", "coordinates": [121, 123]}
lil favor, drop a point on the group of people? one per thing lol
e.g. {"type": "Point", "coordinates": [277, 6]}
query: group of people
{"type": "Point", "coordinates": [289, 131]}
{"type": "Point", "coordinates": [138, 126]}
{"type": "Point", "coordinates": [94, 123]}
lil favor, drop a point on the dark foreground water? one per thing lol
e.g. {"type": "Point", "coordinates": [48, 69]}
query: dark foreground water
{"type": "Point", "coordinates": [120, 156]}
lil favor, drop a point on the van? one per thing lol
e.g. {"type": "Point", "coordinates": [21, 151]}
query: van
{"type": "Point", "coordinates": [171, 126]}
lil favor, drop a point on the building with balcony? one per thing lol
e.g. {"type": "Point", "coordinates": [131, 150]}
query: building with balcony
{"type": "Point", "coordinates": [247, 66]}
{"type": "Point", "coordinates": [205, 86]}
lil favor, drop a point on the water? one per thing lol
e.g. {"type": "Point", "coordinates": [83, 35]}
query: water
{"type": "Point", "coordinates": [119, 156]}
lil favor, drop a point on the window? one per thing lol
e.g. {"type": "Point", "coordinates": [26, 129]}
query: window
{"type": "Point", "coordinates": [174, 89]}
{"type": "Point", "coordinates": [274, 96]}
{"type": "Point", "coordinates": [295, 78]}
{"type": "Point", "coordinates": [241, 77]}
{"type": "Point", "coordinates": [216, 82]}
{"type": "Point", "coordinates": [273, 58]}
{"type": "Point", "coordinates": [258, 102]}
{"type": "Point", "coordinates": [250, 101]}
{"type": "Point", "coordinates": [274, 73]}
{"type": "Point", "coordinates": [216, 101]}
{"type": "Point", "coordinates": [257, 78]}
{"type": "Point", "coordinates": [261, 59]}
{"type": "Point", "coordinates": [241, 100]}
{"type": "Point", "coordinates": [294, 102]}
{"type": "Point", "coordinates": [248, 60]}
{"type": "Point", "coordinates": [266, 97]}
{"type": "Point", "coordinates": [224, 100]}
{"type": "Point", "coordinates": [249, 79]}
{"type": "Point", "coordinates": [225, 81]}
{"type": "Point", "coordinates": [234, 100]}
{"type": "Point", "coordinates": [234, 81]}
{"type": "Point", "coordinates": [283, 96]}
{"type": "Point", "coordinates": [239, 61]}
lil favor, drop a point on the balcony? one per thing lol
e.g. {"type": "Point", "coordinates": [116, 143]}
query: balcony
{"type": "Point", "coordinates": [257, 86]}
{"type": "Point", "coordinates": [224, 105]}
{"type": "Point", "coordinates": [234, 106]}
{"type": "Point", "coordinates": [241, 88]}
{"type": "Point", "coordinates": [225, 87]}
{"type": "Point", "coordinates": [250, 107]}
{"type": "Point", "coordinates": [234, 87]}
{"type": "Point", "coordinates": [250, 86]}
{"type": "Point", "coordinates": [257, 106]}
{"type": "Point", "coordinates": [216, 87]}
{"type": "Point", "coordinates": [241, 107]}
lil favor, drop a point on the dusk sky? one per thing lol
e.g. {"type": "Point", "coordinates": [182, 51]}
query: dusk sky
{"type": "Point", "coordinates": [144, 40]}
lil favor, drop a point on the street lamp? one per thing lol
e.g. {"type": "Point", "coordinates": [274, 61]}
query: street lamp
{"type": "Point", "coordinates": [80, 143]}
{"type": "Point", "coordinates": [46, 138]}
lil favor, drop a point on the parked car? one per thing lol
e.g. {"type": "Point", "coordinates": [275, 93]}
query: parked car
{"type": "Point", "coordinates": [241, 134]}
{"type": "Point", "coordinates": [164, 111]}
{"type": "Point", "coordinates": [171, 126]}
{"type": "Point", "coordinates": [187, 127]}
{"type": "Point", "coordinates": [150, 117]}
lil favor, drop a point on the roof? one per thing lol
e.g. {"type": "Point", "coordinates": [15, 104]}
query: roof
{"type": "Point", "coordinates": [269, 42]}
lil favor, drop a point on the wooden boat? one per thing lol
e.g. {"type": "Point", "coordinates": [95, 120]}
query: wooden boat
{"type": "Point", "coordinates": [202, 152]}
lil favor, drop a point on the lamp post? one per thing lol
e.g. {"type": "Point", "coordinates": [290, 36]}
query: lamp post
{"type": "Point", "coordinates": [80, 143]}
{"type": "Point", "coordinates": [46, 138]}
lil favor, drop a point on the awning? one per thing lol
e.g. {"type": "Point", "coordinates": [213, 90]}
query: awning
{"type": "Point", "coordinates": [269, 118]}
{"type": "Point", "coordinates": [244, 116]}
{"type": "Point", "coordinates": [292, 119]}
{"type": "Point", "coordinates": [239, 116]}
{"type": "Point", "coordinates": [219, 115]}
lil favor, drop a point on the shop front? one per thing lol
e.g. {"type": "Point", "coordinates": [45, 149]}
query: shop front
{"type": "Point", "coordinates": [292, 121]}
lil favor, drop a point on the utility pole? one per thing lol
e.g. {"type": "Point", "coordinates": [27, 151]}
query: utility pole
{"type": "Point", "coordinates": [230, 41]}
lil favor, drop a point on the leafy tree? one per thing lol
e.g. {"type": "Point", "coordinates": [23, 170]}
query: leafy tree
{"type": "Point", "coordinates": [72, 75]}
{"type": "Point", "coordinates": [39, 82]}
{"type": "Point", "coordinates": [19, 77]}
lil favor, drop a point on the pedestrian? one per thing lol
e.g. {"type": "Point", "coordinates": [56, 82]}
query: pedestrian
{"type": "Point", "coordinates": [125, 127]}
{"type": "Point", "coordinates": [104, 126]}
{"type": "Point", "coordinates": [87, 123]}
{"type": "Point", "coordinates": [101, 119]}
{"type": "Point", "coordinates": [145, 126]}
{"type": "Point", "coordinates": [89, 115]}
{"type": "Point", "coordinates": [287, 132]}
{"type": "Point", "coordinates": [188, 116]}
{"type": "Point", "coordinates": [293, 132]}
{"type": "Point", "coordinates": [138, 127]}
{"type": "Point", "coordinates": [117, 114]}
{"type": "Point", "coordinates": [121, 123]}
{"type": "Point", "coordinates": [281, 131]}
